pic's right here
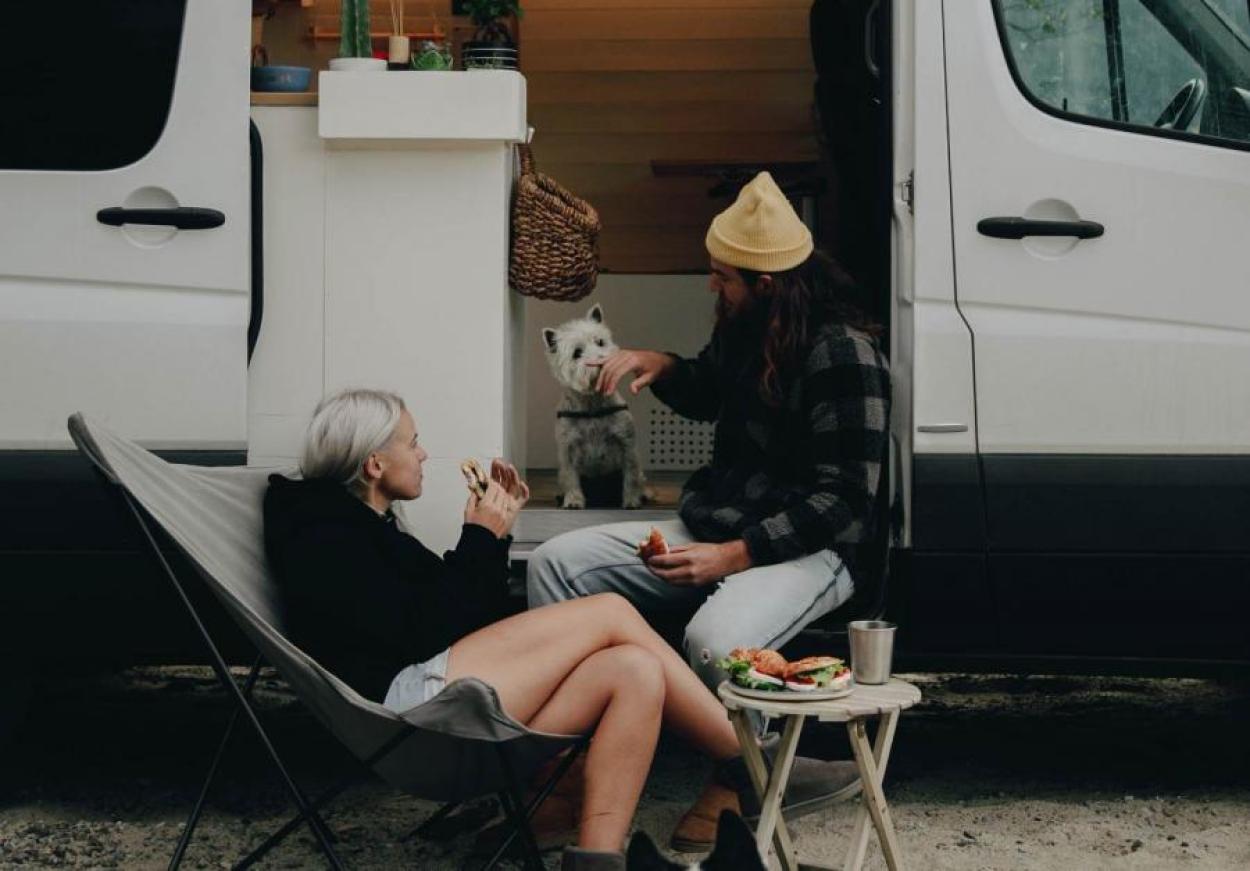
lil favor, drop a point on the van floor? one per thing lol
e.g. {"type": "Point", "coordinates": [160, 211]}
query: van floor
{"type": "Point", "coordinates": [543, 518]}
{"type": "Point", "coordinates": [665, 485]}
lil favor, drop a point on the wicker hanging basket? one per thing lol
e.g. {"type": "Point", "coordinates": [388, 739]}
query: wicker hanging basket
{"type": "Point", "coordinates": [555, 238]}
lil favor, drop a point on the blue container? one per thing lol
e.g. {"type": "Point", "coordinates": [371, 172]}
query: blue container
{"type": "Point", "coordinates": [281, 78]}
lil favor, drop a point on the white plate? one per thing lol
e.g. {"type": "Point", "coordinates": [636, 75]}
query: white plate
{"type": "Point", "coordinates": [792, 696]}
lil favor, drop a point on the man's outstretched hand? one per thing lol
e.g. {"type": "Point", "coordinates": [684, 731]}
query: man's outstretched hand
{"type": "Point", "coordinates": [646, 366]}
{"type": "Point", "coordinates": [695, 565]}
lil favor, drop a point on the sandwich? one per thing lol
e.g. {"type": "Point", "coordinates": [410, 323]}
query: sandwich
{"type": "Point", "coordinates": [759, 668]}
{"type": "Point", "coordinates": [475, 476]}
{"type": "Point", "coordinates": [653, 545]}
{"type": "Point", "coordinates": [817, 673]}
{"type": "Point", "coordinates": [756, 668]}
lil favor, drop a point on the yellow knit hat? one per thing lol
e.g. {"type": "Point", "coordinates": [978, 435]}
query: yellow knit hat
{"type": "Point", "coordinates": [760, 231]}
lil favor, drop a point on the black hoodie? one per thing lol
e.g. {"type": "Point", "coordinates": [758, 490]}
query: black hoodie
{"type": "Point", "coordinates": [366, 599]}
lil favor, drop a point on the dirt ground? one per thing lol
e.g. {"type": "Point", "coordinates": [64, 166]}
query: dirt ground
{"type": "Point", "coordinates": [988, 773]}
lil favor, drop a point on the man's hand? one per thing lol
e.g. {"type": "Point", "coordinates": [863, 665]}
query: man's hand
{"type": "Point", "coordinates": [695, 565]}
{"type": "Point", "coordinates": [648, 366]}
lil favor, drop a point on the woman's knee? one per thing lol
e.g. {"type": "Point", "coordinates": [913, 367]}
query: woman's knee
{"type": "Point", "coordinates": [637, 672]}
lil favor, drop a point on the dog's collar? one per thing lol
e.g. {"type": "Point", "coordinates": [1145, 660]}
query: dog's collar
{"type": "Point", "coordinates": [598, 412]}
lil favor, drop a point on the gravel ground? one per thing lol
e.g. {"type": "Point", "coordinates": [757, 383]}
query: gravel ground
{"type": "Point", "coordinates": [988, 773]}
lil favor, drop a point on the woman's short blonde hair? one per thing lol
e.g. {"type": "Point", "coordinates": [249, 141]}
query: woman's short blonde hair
{"type": "Point", "coordinates": [346, 428]}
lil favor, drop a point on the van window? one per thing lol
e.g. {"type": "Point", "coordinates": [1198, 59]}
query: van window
{"type": "Point", "coordinates": [1147, 65]}
{"type": "Point", "coordinates": [101, 105]}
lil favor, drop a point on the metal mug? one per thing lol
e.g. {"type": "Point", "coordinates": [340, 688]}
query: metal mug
{"type": "Point", "coordinates": [872, 650]}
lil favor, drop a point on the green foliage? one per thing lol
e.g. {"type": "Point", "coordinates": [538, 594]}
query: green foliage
{"type": "Point", "coordinates": [354, 39]}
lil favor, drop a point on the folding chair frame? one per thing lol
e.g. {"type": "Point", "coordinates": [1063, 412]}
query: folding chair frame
{"type": "Point", "coordinates": [518, 813]}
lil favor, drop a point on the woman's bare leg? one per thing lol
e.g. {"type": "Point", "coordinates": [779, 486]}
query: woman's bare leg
{"type": "Point", "coordinates": [618, 693]}
{"type": "Point", "coordinates": [527, 656]}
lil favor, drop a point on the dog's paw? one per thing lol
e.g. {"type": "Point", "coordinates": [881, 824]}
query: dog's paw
{"type": "Point", "coordinates": [574, 499]}
{"type": "Point", "coordinates": [632, 500]}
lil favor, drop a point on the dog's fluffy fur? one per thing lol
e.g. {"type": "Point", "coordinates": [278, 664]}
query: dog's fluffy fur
{"type": "Point", "coordinates": [734, 851]}
{"type": "Point", "coordinates": [591, 447]}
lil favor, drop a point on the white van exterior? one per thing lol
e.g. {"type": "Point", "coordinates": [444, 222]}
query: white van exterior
{"type": "Point", "coordinates": [1071, 415]}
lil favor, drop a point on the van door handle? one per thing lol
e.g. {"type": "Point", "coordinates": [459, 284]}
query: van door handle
{"type": "Point", "coordinates": [1019, 228]}
{"type": "Point", "coordinates": [183, 217]}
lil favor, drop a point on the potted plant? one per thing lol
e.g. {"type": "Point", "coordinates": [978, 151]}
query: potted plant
{"type": "Point", "coordinates": [492, 46]}
{"type": "Point", "coordinates": [355, 39]}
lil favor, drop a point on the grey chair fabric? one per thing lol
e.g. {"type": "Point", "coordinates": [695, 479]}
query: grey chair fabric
{"type": "Point", "coordinates": [214, 515]}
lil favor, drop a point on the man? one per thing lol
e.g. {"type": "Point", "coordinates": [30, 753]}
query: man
{"type": "Point", "coordinates": [766, 537]}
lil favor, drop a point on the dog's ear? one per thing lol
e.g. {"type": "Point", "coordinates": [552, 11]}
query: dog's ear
{"type": "Point", "coordinates": [595, 313]}
{"type": "Point", "coordinates": [735, 846]}
{"type": "Point", "coordinates": [549, 338]}
{"type": "Point", "coordinates": [644, 856]}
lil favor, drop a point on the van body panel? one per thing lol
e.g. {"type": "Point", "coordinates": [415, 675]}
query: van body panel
{"type": "Point", "coordinates": [1136, 342]}
{"type": "Point", "coordinates": [144, 327]}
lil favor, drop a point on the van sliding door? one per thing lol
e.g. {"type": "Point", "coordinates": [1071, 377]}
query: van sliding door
{"type": "Point", "coordinates": [1100, 159]}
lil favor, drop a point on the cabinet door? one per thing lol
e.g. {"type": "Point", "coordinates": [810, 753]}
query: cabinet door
{"type": "Point", "coordinates": [124, 225]}
{"type": "Point", "coordinates": [1100, 159]}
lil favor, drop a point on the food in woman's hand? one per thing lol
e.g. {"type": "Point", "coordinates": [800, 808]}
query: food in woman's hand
{"type": "Point", "coordinates": [763, 669]}
{"type": "Point", "coordinates": [475, 476]}
{"type": "Point", "coordinates": [653, 545]}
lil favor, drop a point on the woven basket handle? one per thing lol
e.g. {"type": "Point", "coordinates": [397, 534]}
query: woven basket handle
{"type": "Point", "coordinates": [526, 156]}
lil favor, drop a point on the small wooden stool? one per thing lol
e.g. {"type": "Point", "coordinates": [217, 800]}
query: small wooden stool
{"type": "Point", "coordinates": [886, 701]}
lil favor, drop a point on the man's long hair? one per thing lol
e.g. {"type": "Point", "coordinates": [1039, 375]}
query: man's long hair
{"type": "Point", "coordinates": [799, 300]}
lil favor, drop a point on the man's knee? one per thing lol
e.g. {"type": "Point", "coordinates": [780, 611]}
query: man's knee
{"type": "Point", "coordinates": [544, 579]}
{"type": "Point", "coordinates": [705, 643]}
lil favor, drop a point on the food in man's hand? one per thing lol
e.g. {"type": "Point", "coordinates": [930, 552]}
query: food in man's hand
{"type": "Point", "coordinates": [817, 672]}
{"type": "Point", "coordinates": [653, 545]}
{"type": "Point", "coordinates": [475, 476]}
{"type": "Point", "coordinates": [759, 668]}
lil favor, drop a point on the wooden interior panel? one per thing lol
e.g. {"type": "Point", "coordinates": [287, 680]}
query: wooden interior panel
{"type": "Point", "coordinates": [617, 84]}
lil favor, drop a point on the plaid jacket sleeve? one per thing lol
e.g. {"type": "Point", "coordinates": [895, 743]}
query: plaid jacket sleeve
{"type": "Point", "coordinates": [847, 389]}
{"type": "Point", "coordinates": [692, 388]}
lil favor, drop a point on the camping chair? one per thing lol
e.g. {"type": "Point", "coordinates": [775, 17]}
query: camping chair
{"type": "Point", "coordinates": [457, 746]}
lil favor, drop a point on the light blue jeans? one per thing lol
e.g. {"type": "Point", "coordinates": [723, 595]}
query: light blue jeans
{"type": "Point", "coordinates": [761, 607]}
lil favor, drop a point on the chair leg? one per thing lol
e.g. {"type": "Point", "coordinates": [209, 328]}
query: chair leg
{"type": "Point", "coordinates": [223, 674]}
{"type": "Point", "coordinates": [189, 827]}
{"type": "Point", "coordinates": [517, 813]}
{"type": "Point", "coordinates": [321, 800]}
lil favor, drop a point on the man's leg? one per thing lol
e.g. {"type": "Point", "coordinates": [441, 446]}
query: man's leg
{"type": "Point", "coordinates": [764, 607]}
{"type": "Point", "coordinates": [604, 559]}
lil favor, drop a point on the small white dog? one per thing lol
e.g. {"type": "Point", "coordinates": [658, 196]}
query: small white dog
{"type": "Point", "coordinates": [595, 434]}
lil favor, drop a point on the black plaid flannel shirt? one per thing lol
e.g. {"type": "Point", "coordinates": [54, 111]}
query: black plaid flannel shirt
{"type": "Point", "coordinates": [794, 479]}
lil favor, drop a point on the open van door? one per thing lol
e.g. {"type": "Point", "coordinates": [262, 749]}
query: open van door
{"type": "Point", "coordinates": [124, 225]}
{"type": "Point", "coordinates": [1100, 160]}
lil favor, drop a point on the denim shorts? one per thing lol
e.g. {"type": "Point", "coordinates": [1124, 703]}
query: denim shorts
{"type": "Point", "coordinates": [417, 684]}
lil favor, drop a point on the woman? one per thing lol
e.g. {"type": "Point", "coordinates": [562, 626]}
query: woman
{"type": "Point", "coordinates": [398, 623]}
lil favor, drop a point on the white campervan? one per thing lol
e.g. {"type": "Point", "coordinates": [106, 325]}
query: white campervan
{"type": "Point", "coordinates": [1055, 204]}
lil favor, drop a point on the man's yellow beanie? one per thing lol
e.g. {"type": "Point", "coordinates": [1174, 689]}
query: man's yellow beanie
{"type": "Point", "coordinates": [760, 231]}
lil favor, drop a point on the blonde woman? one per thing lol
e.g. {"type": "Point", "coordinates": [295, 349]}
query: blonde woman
{"type": "Point", "coordinates": [397, 622]}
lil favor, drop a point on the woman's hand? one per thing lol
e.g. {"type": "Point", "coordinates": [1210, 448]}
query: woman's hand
{"type": "Point", "coordinates": [695, 565]}
{"type": "Point", "coordinates": [496, 510]}
{"type": "Point", "coordinates": [508, 478]}
{"type": "Point", "coordinates": [648, 366]}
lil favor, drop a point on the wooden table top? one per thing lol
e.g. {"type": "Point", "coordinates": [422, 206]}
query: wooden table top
{"type": "Point", "coordinates": [864, 701]}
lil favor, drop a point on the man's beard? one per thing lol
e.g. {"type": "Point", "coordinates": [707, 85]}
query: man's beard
{"type": "Point", "coordinates": [728, 313]}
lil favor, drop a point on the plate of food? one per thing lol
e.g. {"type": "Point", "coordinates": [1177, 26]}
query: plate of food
{"type": "Point", "coordinates": [759, 673]}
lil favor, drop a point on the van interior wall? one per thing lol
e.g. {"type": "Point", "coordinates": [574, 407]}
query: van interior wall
{"type": "Point", "coordinates": [660, 312]}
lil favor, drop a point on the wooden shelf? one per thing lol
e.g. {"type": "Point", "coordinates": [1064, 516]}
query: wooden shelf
{"type": "Point", "coordinates": [326, 33]}
{"type": "Point", "coordinates": [284, 98]}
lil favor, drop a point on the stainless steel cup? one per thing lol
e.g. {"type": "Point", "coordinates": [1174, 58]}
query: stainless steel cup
{"type": "Point", "coordinates": [872, 650]}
